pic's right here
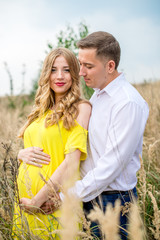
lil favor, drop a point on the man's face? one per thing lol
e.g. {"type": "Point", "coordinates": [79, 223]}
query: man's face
{"type": "Point", "coordinates": [93, 70]}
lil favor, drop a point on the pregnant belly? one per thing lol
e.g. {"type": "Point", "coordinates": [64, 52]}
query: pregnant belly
{"type": "Point", "coordinates": [31, 179]}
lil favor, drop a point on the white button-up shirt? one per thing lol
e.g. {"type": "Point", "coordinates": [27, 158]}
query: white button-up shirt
{"type": "Point", "coordinates": [117, 123]}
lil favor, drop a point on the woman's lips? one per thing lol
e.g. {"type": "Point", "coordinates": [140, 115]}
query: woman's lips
{"type": "Point", "coordinates": [60, 84]}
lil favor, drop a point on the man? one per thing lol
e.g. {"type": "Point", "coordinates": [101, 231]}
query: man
{"type": "Point", "coordinates": [116, 127]}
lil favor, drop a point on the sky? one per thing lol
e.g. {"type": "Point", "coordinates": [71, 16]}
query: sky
{"type": "Point", "coordinates": [27, 26]}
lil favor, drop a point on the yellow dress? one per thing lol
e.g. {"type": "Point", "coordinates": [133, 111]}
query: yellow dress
{"type": "Point", "coordinates": [55, 141]}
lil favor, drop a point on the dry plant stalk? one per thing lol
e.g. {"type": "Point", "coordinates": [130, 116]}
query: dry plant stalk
{"type": "Point", "coordinates": [8, 170]}
{"type": "Point", "coordinates": [71, 207]}
{"type": "Point", "coordinates": [51, 191]}
{"type": "Point", "coordinates": [70, 217]}
{"type": "Point", "coordinates": [156, 220]}
{"type": "Point", "coordinates": [135, 227]}
{"type": "Point", "coordinates": [150, 92]}
{"type": "Point", "coordinates": [154, 153]}
{"type": "Point", "coordinates": [109, 221]}
{"type": "Point", "coordinates": [86, 235]}
{"type": "Point", "coordinates": [142, 190]}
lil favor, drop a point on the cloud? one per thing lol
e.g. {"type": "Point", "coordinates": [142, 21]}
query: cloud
{"type": "Point", "coordinates": [26, 27]}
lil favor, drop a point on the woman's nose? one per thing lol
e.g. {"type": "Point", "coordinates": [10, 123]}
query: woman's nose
{"type": "Point", "coordinates": [59, 74]}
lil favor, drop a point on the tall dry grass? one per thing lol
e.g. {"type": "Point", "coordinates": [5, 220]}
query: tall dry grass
{"type": "Point", "coordinates": [149, 174]}
{"type": "Point", "coordinates": [144, 218]}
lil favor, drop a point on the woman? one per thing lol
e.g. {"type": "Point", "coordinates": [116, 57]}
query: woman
{"type": "Point", "coordinates": [56, 127]}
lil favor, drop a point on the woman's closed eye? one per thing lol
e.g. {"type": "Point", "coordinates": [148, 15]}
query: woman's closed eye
{"type": "Point", "coordinates": [66, 70]}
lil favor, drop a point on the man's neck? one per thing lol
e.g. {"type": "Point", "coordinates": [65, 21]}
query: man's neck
{"type": "Point", "coordinates": [112, 77]}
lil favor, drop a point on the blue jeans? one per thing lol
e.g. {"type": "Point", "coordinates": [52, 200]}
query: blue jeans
{"type": "Point", "coordinates": [110, 198]}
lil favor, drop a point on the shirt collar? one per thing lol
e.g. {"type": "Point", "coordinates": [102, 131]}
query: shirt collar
{"type": "Point", "coordinates": [112, 87]}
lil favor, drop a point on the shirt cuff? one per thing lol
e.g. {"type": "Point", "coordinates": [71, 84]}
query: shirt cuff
{"type": "Point", "coordinates": [71, 191]}
{"type": "Point", "coordinates": [61, 195]}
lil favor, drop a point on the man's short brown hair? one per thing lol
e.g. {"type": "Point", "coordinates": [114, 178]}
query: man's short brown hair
{"type": "Point", "coordinates": [105, 44]}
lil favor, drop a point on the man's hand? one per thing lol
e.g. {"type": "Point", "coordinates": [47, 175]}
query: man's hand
{"type": "Point", "coordinates": [29, 206]}
{"type": "Point", "coordinates": [48, 207]}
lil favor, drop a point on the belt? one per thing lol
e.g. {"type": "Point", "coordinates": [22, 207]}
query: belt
{"type": "Point", "coordinates": [114, 192]}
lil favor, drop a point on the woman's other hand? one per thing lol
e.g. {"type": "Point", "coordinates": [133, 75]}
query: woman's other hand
{"type": "Point", "coordinates": [28, 205]}
{"type": "Point", "coordinates": [34, 156]}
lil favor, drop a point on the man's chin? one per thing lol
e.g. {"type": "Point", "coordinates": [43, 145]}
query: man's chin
{"type": "Point", "coordinates": [89, 85]}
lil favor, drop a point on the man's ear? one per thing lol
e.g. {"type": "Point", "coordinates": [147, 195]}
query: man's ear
{"type": "Point", "coordinates": [110, 66]}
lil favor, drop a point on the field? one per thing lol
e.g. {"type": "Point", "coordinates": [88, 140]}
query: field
{"type": "Point", "coordinates": [13, 114]}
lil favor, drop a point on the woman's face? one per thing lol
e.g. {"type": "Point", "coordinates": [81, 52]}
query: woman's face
{"type": "Point", "coordinates": [60, 78]}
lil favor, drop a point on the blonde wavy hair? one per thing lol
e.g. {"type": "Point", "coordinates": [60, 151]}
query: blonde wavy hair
{"type": "Point", "coordinates": [67, 108]}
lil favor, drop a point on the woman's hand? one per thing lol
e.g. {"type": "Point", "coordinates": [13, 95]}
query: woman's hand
{"type": "Point", "coordinates": [28, 205]}
{"type": "Point", "coordinates": [33, 156]}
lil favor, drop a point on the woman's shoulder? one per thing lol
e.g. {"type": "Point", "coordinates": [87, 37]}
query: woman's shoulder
{"type": "Point", "coordinates": [84, 105]}
{"type": "Point", "coordinates": [83, 117]}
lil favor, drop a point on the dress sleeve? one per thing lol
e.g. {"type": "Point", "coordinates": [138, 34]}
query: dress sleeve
{"type": "Point", "coordinates": [77, 140]}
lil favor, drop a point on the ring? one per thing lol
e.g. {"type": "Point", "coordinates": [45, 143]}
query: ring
{"type": "Point", "coordinates": [34, 159]}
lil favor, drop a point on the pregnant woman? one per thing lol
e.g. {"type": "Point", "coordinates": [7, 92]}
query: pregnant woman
{"type": "Point", "coordinates": [57, 127]}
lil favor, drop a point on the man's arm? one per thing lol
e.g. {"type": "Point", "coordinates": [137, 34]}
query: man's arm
{"type": "Point", "coordinates": [124, 133]}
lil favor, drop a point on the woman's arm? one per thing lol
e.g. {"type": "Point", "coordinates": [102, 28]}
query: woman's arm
{"type": "Point", "coordinates": [68, 167]}
{"type": "Point", "coordinates": [63, 173]}
{"type": "Point", "coordinates": [35, 155]}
